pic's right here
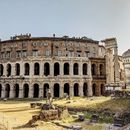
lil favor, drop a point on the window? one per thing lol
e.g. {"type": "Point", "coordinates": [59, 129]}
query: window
{"type": "Point", "coordinates": [47, 53]}
{"type": "Point", "coordinates": [7, 54]}
{"type": "Point", "coordinates": [59, 53]}
{"type": "Point", "coordinates": [18, 54]}
{"type": "Point", "coordinates": [35, 52]}
{"type": "Point", "coordinates": [24, 53]}
{"type": "Point", "coordinates": [2, 55]}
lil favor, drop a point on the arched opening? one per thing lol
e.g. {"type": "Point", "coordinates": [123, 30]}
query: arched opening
{"type": "Point", "coordinates": [66, 69]}
{"type": "Point", "coordinates": [25, 90]}
{"type": "Point", "coordinates": [93, 69]}
{"type": "Point", "coordinates": [66, 88]}
{"type": "Point", "coordinates": [76, 89]}
{"type": "Point", "coordinates": [46, 87]}
{"type": "Point", "coordinates": [94, 89]}
{"type": "Point", "coordinates": [17, 69]}
{"type": "Point", "coordinates": [35, 90]}
{"type": "Point", "coordinates": [27, 69]}
{"type": "Point", "coordinates": [85, 69]}
{"type": "Point", "coordinates": [101, 68]}
{"type": "Point", "coordinates": [8, 70]}
{"type": "Point", "coordinates": [46, 69]}
{"type": "Point", "coordinates": [75, 69]}
{"type": "Point", "coordinates": [16, 90]}
{"type": "Point", "coordinates": [56, 90]}
{"type": "Point", "coordinates": [0, 90]}
{"type": "Point", "coordinates": [85, 89]}
{"type": "Point", "coordinates": [1, 69]}
{"type": "Point", "coordinates": [56, 69]}
{"type": "Point", "coordinates": [102, 89]}
{"type": "Point", "coordinates": [7, 91]}
{"type": "Point", "coordinates": [36, 69]}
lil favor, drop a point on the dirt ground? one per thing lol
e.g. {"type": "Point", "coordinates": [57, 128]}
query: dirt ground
{"type": "Point", "coordinates": [15, 114]}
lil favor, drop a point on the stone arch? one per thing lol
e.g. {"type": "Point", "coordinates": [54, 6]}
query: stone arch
{"type": "Point", "coordinates": [66, 68]}
{"type": "Point", "coordinates": [16, 90]}
{"type": "Point", "coordinates": [25, 90]}
{"type": "Point", "coordinates": [76, 89]}
{"type": "Point", "coordinates": [1, 69]}
{"type": "Point", "coordinates": [8, 69]}
{"type": "Point", "coordinates": [56, 90]}
{"type": "Point", "coordinates": [101, 69]}
{"type": "Point", "coordinates": [46, 69]}
{"type": "Point", "coordinates": [45, 88]}
{"type": "Point", "coordinates": [36, 69]}
{"type": "Point", "coordinates": [85, 89]}
{"type": "Point", "coordinates": [26, 69]}
{"type": "Point", "coordinates": [0, 90]}
{"type": "Point", "coordinates": [93, 67]}
{"type": "Point", "coordinates": [17, 69]}
{"type": "Point", "coordinates": [85, 69]}
{"type": "Point", "coordinates": [35, 90]}
{"type": "Point", "coordinates": [76, 69]}
{"type": "Point", "coordinates": [67, 88]}
{"type": "Point", "coordinates": [56, 69]}
{"type": "Point", "coordinates": [94, 89]}
{"type": "Point", "coordinates": [7, 91]}
{"type": "Point", "coordinates": [102, 89]}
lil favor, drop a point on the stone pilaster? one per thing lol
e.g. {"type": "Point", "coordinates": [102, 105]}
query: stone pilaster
{"type": "Point", "coordinates": [80, 68]}
{"type": "Point", "coordinates": [11, 94]}
{"type": "Point", "coordinates": [31, 91]}
{"type": "Point", "coordinates": [52, 69]}
{"type": "Point", "coordinates": [71, 91]}
{"type": "Point", "coordinates": [71, 68]}
{"type": "Point", "coordinates": [21, 94]}
{"type": "Point", "coordinates": [81, 90]}
{"type": "Point", "coordinates": [61, 68]}
{"type": "Point", "coordinates": [90, 93]}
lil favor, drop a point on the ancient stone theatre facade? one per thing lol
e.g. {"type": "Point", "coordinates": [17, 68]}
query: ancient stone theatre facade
{"type": "Point", "coordinates": [31, 65]}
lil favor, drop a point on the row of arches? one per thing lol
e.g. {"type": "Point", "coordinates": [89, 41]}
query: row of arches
{"type": "Point", "coordinates": [66, 69]}
{"type": "Point", "coordinates": [56, 90]}
{"type": "Point", "coordinates": [94, 69]}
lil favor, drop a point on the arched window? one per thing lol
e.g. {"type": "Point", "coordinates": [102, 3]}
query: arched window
{"type": "Point", "coordinates": [7, 91]}
{"type": "Point", "coordinates": [25, 90]}
{"type": "Point", "coordinates": [35, 90]}
{"type": "Point", "coordinates": [85, 69]}
{"type": "Point", "coordinates": [0, 90]}
{"type": "Point", "coordinates": [66, 69]}
{"type": "Point", "coordinates": [46, 69]}
{"type": "Point", "coordinates": [66, 88]}
{"type": "Point", "coordinates": [94, 89]}
{"type": "Point", "coordinates": [1, 69]}
{"type": "Point", "coordinates": [93, 69]}
{"type": "Point", "coordinates": [56, 90]}
{"type": "Point", "coordinates": [16, 90]}
{"type": "Point", "coordinates": [56, 69]}
{"type": "Point", "coordinates": [101, 68]}
{"type": "Point", "coordinates": [17, 69]}
{"type": "Point", "coordinates": [85, 89]}
{"type": "Point", "coordinates": [75, 69]}
{"type": "Point", "coordinates": [36, 69]}
{"type": "Point", "coordinates": [102, 89]}
{"type": "Point", "coordinates": [26, 69]}
{"type": "Point", "coordinates": [8, 70]}
{"type": "Point", "coordinates": [76, 89]}
{"type": "Point", "coordinates": [46, 87]}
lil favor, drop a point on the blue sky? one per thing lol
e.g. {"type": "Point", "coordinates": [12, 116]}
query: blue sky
{"type": "Point", "coordinates": [96, 19]}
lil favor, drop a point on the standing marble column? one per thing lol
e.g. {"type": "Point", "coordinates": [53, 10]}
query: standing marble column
{"type": "Point", "coordinates": [21, 94]}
